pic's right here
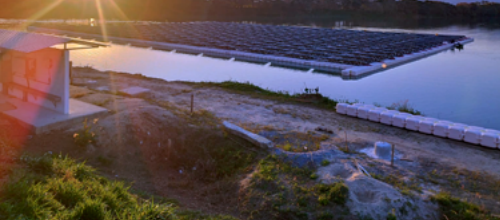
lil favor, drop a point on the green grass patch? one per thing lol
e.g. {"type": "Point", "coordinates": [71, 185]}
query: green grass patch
{"type": "Point", "coordinates": [208, 155]}
{"type": "Point", "coordinates": [325, 163]}
{"type": "Point", "coordinates": [251, 89]}
{"type": "Point", "coordinates": [337, 193]}
{"type": "Point", "coordinates": [456, 209]}
{"type": "Point", "coordinates": [406, 187]}
{"type": "Point", "coordinates": [279, 190]}
{"type": "Point", "coordinates": [57, 187]}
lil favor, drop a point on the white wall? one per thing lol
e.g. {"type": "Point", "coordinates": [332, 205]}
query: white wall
{"type": "Point", "coordinates": [51, 76]}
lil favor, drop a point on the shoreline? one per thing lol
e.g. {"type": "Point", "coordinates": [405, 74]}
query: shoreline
{"type": "Point", "coordinates": [156, 142]}
{"type": "Point", "coordinates": [284, 121]}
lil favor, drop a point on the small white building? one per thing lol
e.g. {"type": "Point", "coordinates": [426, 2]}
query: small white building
{"type": "Point", "coordinates": [35, 79]}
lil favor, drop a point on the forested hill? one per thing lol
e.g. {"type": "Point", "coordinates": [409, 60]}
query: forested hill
{"type": "Point", "coordinates": [200, 9]}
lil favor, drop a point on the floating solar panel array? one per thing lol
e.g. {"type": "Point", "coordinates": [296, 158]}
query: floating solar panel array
{"type": "Point", "coordinates": [316, 45]}
{"type": "Point", "coordinates": [445, 129]}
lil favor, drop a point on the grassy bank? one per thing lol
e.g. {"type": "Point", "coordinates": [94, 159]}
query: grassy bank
{"type": "Point", "coordinates": [277, 190]}
{"type": "Point", "coordinates": [310, 98]}
{"type": "Point", "coordinates": [248, 88]}
{"type": "Point", "coordinates": [454, 208]}
{"type": "Point", "coordinates": [57, 187]}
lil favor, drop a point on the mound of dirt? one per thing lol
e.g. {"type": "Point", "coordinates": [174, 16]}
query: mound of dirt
{"type": "Point", "coordinates": [369, 197]}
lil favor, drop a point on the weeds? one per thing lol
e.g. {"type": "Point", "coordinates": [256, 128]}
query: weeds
{"type": "Point", "coordinates": [336, 193]}
{"type": "Point", "coordinates": [251, 89]}
{"type": "Point", "coordinates": [454, 208]}
{"type": "Point", "coordinates": [279, 190]}
{"type": "Point", "coordinates": [325, 162]}
{"type": "Point", "coordinates": [404, 106]}
{"type": "Point", "coordinates": [406, 187]}
{"type": "Point", "coordinates": [86, 136]}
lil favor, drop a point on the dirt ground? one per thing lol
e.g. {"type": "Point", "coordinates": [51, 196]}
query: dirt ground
{"type": "Point", "coordinates": [133, 127]}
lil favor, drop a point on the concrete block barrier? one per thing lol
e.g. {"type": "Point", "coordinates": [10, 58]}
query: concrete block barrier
{"type": "Point", "coordinates": [426, 126]}
{"type": "Point", "coordinates": [471, 134]}
{"type": "Point", "coordinates": [399, 120]}
{"type": "Point", "coordinates": [441, 128]}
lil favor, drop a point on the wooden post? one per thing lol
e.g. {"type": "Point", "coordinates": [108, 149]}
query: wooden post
{"type": "Point", "coordinates": [346, 145]}
{"type": "Point", "coordinates": [71, 72]}
{"type": "Point", "coordinates": [392, 155]}
{"type": "Point", "coordinates": [192, 101]}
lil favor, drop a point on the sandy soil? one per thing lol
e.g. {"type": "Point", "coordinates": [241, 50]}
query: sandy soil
{"type": "Point", "coordinates": [135, 126]}
{"type": "Point", "coordinates": [252, 112]}
{"type": "Point", "coordinates": [422, 154]}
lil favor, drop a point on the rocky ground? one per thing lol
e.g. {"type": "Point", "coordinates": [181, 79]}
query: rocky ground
{"type": "Point", "coordinates": [141, 139]}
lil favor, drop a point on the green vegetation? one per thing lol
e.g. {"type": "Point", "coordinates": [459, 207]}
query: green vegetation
{"type": "Point", "coordinates": [251, 89]}
{"type": "Point", "coordinates": [207, 155]}
{"type": "Point", "coordinates": [279, 190]}
{"type": "Point", "coordinates": [86, 136]}
{"type": "Point", "coordinates": [406, 187]}
{"type": "Point", "coordinates": [454, 208]}
{"type": "Point", "coordinates": [298, 141]}
{"type": "Point", "coordinates": [391, 216]}
{"type": "Point", "coordinates": [317, 100]}
{"type": "Point", "coordinates": [404, 106]}
{"type": "Point", "coordinates": [57, 187]}
{"type": "Point", "coordinates": [325, 162]}
{"type": "Point", "coordinates": [336, 193]}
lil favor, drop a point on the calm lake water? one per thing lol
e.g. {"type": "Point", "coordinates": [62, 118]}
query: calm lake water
{"type": "Point", "coordinates": [460, 86]}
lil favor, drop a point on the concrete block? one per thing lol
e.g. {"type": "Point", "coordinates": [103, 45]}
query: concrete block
{"type": "Point", "coordinates": [441, 128]}
{"type": "Point", "coordinates": [386, 117]}
{"type": "Point", "coordinates": [249, 136]}
{"type": "Point", "coordinates": [352, 110]}
{"type": "Point", "coordinates": [383, 150]}
{"type": "Point", "coordinates": [341, 108]}
{"type": "Point", "coordinates": [426, 126]}
{"type": "Point", "coordinates": [374, 114]}
{"type": "Point", "coordinates": [491, 139]}
{"type": "Point", "coordinates": [363, 111]}
{"type": "Point", "coordinates": [457, 132]}
{"type": "Point", "coordinates": [45, 120]}
{"type": "Point", "coordinates": [413, 122]}
{"type": "Point", "coordinates": [473, 135]}
{"type": "Point", "coordinates": [399, 120]}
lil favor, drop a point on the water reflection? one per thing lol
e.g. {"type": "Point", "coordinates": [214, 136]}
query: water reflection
{"type": "Point", "coordinates": [461, 86]}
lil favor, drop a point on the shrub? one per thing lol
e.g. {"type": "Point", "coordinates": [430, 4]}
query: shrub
{"type": "Point", "coordinates": [391, 216]}
{"type": "Point", "coordinates": [454, 208]}
{"type": "Point", "coordinates": [85, 136]}
{"type": "Point", "coordinates": [336, 193]}
{"type": "Point", "coordinates": [56, 187]}
{"type": "Point", "coordinates": [325, 162]}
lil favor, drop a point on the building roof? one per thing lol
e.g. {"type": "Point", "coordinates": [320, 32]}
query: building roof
{"type": "Point", "coordinates": [29, 42]}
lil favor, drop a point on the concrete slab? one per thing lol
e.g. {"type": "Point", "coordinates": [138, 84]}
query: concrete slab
{"type": "Point", "coordinates": [42, 120]}
{"type": "Point", "coordinates": [135, 91]}
{"type": "Point", "coordinates": [249, 136]}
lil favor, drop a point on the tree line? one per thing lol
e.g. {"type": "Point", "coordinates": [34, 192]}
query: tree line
{"type": "Point", "coordinates": [178, 10]}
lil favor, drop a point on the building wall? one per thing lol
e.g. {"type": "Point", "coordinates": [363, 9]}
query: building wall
{"type": "Point", "coordinates": [45, 70]}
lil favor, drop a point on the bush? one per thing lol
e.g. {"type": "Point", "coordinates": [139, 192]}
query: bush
{"type": "Point", "coordinates": [336, 193]}
{"type": "Point", "coordinates": [85, 136]}
{"type": "Point", "coordinates": [56, 187]}
{"type": "Point", "coordinates": [454, 208]}
{"type": "Point", "coordinates": [325, 162]}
